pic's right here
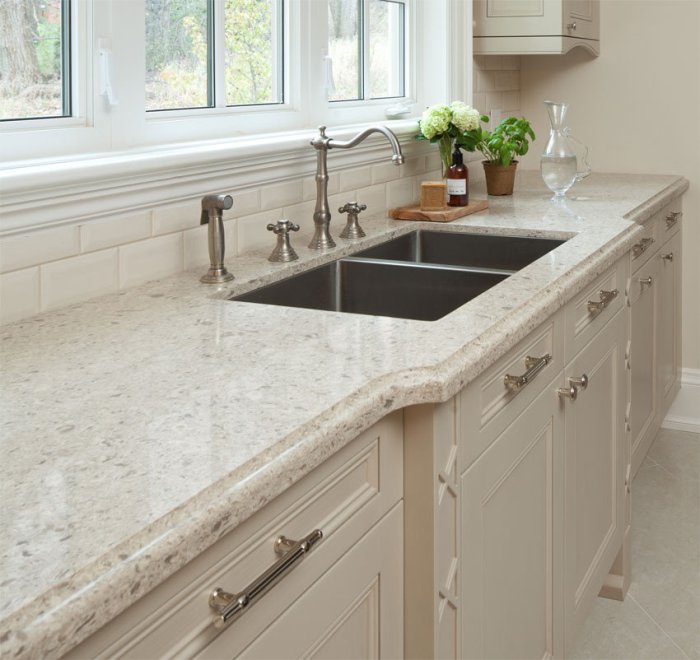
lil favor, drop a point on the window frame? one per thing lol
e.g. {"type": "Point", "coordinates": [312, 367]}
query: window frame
{"type": "Point", "coordinates": [97, 127]}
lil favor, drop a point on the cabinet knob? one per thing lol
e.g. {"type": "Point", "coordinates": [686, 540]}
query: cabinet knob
{"type": "Point", "coordinates": [667, 257]}
{"type": "Point", "coordinates": [571, 26]}
{"type": "Point", "coordinates": [646, 281]}
{"type": "Point", "coordinates": [581, 382]}
{"type": "Point", "coordinates": [569, 392]}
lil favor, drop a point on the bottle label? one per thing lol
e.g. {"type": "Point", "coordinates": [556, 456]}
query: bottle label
{"type": "Point", "coordinates": [456, 186]}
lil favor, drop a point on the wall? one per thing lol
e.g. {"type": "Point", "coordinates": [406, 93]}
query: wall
{"type": "Point", "coordinates": [637, 108]}
{"type": "Point", "coordinates": [45, 269]}
{"type": "Point", "coordinates": [497, 85]}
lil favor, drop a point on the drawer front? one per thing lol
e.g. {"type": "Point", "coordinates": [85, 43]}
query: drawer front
{"type": "Point", "coordinates": [355, 610]}
{"type": "Point", "coordinates": [592, 308]}
{"type": "Point", "coordinates": [343, 497]}
{"type": "Point", "coordinates": [489, 404]}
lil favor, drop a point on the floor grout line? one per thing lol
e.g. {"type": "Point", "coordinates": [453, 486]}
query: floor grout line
{"type": "Point", "coordinates": [665, 469]}
{"type": "Point", "coordinates": [658, 625]}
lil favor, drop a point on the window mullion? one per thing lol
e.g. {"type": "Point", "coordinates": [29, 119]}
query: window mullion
{"type": "Point", "coordinates": [364, 50]}
{"type": "Point", "coordinates": [218, 49]}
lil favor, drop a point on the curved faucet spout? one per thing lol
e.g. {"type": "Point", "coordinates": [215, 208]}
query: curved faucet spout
{"type": "Point", "coordinates": [397, 157]}
{"type": "Point", "coordinates": [322, 143]}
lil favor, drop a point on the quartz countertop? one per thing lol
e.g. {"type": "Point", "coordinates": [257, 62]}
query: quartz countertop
{"type": "Point", "coordinates": [140, 427]}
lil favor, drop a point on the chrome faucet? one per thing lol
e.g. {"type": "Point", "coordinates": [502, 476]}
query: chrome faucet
{"type": "Point", "coordinates": [322, 143]}
{"type": "Point", "coordinates": [213, 207]}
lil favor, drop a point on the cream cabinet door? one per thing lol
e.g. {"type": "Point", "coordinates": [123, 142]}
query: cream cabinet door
{"type": "Point", "coordinates": [355, 610]}
{"type": "Point", "coordinates": [642, 359]}
{"type": "Point", "coordinates": [668, 326]}
{"type": "Point", "coordinates": [594, 469]}
{"type": "Point", "coordinates": [581, 18]}
{"type": "Point", "coordinates": [511, 520]}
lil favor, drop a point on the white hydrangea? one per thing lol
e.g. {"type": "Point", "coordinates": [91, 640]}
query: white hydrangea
{"type": "Point", "coordinates": [464, 117]}
{"type": "Point", "coordinates": [435, 120]}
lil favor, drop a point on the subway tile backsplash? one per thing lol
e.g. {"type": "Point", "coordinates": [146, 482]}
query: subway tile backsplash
{"type": "Point", "coordinates": [47, 268]}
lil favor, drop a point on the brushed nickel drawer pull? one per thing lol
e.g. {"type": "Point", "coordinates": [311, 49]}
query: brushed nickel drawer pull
{"type": "Point", "coordinates": [667, 257]}
{"type": "Point", "coordinates": [229, 607]}
{"type": "Point", "coordinates": [641, 247]}
{"type": "Point", "coordinates": [606, 297]}
{"type": "Point", "coordinates": [533, 365]}
{"type": "Point", "coordinates": [648, 281]}
{"type": "Point", "coordinates": [672, 218]}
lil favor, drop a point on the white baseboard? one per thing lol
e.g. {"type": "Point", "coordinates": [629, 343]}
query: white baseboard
{"type": "Point", "coordinates": [684, 414]}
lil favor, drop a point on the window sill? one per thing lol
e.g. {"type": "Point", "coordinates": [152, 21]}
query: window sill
{"type": "Point", "coordinates": [51, 192]}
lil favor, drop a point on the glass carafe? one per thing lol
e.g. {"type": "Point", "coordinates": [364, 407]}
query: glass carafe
{"type": "Point", "coordinates": [559, 164]}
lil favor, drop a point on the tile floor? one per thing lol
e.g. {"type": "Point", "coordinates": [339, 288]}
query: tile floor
{"type": "Point", "coordinates": [660, 618]}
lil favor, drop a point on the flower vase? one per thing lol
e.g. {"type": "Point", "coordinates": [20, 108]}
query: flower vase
{"type": "Point", "coordinates": [445, 147]}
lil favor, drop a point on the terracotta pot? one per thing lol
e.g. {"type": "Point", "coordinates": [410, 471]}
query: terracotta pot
{"type": "Point", "coordinates": [499, 179]}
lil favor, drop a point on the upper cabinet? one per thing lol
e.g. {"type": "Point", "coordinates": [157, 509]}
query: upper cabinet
{"type": "Point", "coordinates": [535, 27]}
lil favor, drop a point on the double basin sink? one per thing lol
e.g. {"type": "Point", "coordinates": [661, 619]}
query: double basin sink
{"type": "Point", "coordinates": [423, 275]}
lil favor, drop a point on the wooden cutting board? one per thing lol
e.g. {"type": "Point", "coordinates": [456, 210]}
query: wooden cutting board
{"type": "Point", "coordinates": [447, 215]}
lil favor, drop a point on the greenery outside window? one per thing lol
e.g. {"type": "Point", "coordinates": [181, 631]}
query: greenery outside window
{"type": "Point", "coordinates": [366, 44]}
{"type": "Point", "coordinates": [205, 54]}
{"type": "Point", "coordinates": [35, 71]}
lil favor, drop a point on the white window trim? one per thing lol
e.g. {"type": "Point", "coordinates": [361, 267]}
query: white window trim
{"type": "Point", "coordinates": [44, 192]}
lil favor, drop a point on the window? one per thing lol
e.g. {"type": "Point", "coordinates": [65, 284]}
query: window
{"type": "Point", "coordinates": [200, 54]}
{"type": "Point", "coordinates": [215, 69]}
{"type": "Point", "coordinates": [35, 76]}
{"type": "Point", "coordinates": [366, 44]}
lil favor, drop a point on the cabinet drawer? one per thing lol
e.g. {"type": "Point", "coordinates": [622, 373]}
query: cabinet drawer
{"type": "Point", "coordinates": [354, 610]}
{"type": "Point", "coordinates": [344, 497]}
{"type": "Point", "coordinates": [593, 307]}
{"type": "Point", "coordinates": [488, 405]}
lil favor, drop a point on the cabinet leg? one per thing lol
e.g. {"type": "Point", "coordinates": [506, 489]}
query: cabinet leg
{"type": "Point", "coordinates": [618, 580]}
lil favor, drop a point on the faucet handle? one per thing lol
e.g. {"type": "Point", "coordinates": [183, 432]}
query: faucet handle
{"type": "Point", "coordinates": [352, 228]}
{"type": "Point", "coordinates": [282, 227]}
{"type": "Point", "coordinates": [352, 207]}
{"type": "Point", "coordinates": [283, 250]}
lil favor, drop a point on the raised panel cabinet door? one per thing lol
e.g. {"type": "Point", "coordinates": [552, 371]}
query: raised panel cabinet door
{"type": "Point", "coordinates": [643, 289]}
{"type": "Point", "coordinates": [355, 610]}
{"type": "Point", "coordinates": [516, 17]}
{"type": "Point", "coordinates": [593, 469]}
{"type": "Point", "coordinates": [668, 322]}
{"type": "Point", "coordinates": [581, 18]}
{"type": "Point", "coordinates": [511, 559]}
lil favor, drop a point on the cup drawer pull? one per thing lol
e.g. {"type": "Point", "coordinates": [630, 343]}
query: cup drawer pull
{"type": "Point", "coordinates": [641, 247]}
{"type": "Point", "coordinates": [672, 218]}
{"type": "Point", "coordinates": [533, 365]}
{"type": "Point", "coordinates": [229, 607]}
{"type": "Point", "coordinates": [606, 297]}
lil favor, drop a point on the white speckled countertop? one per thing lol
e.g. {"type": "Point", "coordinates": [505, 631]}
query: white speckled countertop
{"type": "Point", "coordinates": [139, 428]}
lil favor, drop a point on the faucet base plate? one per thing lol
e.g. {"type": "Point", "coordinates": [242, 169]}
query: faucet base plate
{"type": "Point", "coordinates": [216, 276]}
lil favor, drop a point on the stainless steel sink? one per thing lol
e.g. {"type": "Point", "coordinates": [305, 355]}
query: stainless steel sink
{"type": "Point", "coordinates": [504, 253]}
{"type": "Point", "coordinates": [423, 275]}
{"type": "Point", "coordinates": [361, 286]}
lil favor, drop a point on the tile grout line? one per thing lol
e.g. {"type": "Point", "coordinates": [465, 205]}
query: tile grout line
{"type": "Point", "coordinates": [658, 625]}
